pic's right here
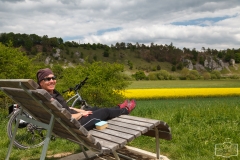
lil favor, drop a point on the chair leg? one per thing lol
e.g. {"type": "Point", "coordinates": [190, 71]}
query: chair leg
{"type": "Point", "coordinates": [157, 143]}
{"type": "Point", "coordinates": [14, 135]}
{"type": "Point", "coordinates": [84, 152]}
{"type": "Point", "coordinates": [48, 138]}
{"type": "Point", "coordinates": [116, 155]}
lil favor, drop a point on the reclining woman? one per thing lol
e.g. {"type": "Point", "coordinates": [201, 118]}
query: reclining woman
{"type": "Point", "coordinates": [87, 118]}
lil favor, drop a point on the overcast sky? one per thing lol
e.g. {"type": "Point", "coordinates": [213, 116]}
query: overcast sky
{"type": "Point", "coordinates": [185, 23]}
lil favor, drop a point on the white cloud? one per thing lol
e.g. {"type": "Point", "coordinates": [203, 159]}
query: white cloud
{"type": "Point", "coordinates": [140, 21]}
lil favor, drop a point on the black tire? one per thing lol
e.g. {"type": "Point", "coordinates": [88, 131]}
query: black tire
{"type": "Point", "coordinates": [25, 138]}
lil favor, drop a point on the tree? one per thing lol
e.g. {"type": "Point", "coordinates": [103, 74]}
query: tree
{"type": "Point", "coordinates": [130, 64]}
{"type": "Point", "coordinates": [237, 57]}
{"type": "Point", "coordinates": [173, 68]}
{"type": "Point", "coordinates": [106, 52]}
{"type": "Point", "coordinates": [139, 75]}
{"type": "Point", "coordinates": [14, 63]}
{"type": "Point", "coordinates": [105, 83]}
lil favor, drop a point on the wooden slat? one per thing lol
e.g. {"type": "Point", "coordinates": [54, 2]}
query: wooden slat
{"type": "Point", "coordinates": [95, 145]}
{"type": "Point", "coordinates": [125, 130]}
{"type": "Point", "coordinates": [14, 83]}
{"type": "Point", "coordinates": [129, 126]}
{"type": "Point", "coordinates": [120, 134]}
{"type": "Point", "coordinates": [134, 122]}
{"type": "Point", "coordinates": [107, 144]}
{"type": "Point", "coordinates": [110, 138]}
{"type": "Point", "coordinates": [140, 119]}
{"type": "Point", "coordinates": [162, 135]}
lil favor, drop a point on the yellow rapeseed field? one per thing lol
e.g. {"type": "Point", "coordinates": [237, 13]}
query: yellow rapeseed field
{"type": "Point", "coordinates": [180, 93]}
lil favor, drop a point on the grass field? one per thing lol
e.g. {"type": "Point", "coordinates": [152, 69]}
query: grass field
{"type": "Point", "coordinates": [185, 84]}
{"type": "Point", "coordinates": [197, 124]}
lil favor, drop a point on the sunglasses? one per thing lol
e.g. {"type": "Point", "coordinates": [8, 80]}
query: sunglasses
{"type": "Point", "coordinates": [49, 78]}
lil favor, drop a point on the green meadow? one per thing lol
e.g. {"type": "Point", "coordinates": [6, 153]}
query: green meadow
{"type": "Point", "coordinates": [198, 125]}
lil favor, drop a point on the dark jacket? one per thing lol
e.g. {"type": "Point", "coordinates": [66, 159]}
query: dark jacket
{"type": "Point", "coordinates": [56, 95]}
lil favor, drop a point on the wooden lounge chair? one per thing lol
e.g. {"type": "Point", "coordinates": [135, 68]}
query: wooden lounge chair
{"type": "Point", "coordinates": [50, 115]}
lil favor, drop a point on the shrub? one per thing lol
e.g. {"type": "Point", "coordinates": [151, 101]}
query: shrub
{"type": "Point", "coordinates": [206, 75]}
{"type": "Point", "coordinates": [193, 75]}
{"type": "Point", "coordinates": [215, 74]}
{"type": "Point", "coordinates": [163, 75]}
{"type": "Point", "coordinates": [184, 73]}
{"type": "Point", "coordinates": [139, 75]}
{"type": "Point", "coordinates": [104, 86]}
{"type": "Point", "coordinates": [152, 76]}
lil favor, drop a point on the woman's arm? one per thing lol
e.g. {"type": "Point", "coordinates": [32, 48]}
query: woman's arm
{"type": "Point", "coordinates": [81, 113]}
{"type": "Point", "coordinates": [76, 109]}
{"type": "Point", "coordinates": [77, 116]}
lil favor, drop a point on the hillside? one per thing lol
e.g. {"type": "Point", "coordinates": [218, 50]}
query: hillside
{"type": "Point", "coordinates": [135, 57]}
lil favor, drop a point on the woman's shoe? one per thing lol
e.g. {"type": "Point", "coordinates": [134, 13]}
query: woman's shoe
{"type": "Point", "coordinates": [131, 105]}
{"type": "Point", "coordinates": [124, 104]}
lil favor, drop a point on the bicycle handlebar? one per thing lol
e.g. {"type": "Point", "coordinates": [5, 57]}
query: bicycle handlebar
{"type": "Point", "coordinates": [78, 86]}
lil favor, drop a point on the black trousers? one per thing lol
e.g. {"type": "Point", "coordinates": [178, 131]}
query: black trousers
{"type": "Point", "coordinates": [101, 114]}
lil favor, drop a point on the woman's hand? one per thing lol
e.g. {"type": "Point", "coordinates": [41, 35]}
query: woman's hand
{"type": "Point", "coordinates": [85, 113]}
{"type": "Point", "coordinates": [81, 114]}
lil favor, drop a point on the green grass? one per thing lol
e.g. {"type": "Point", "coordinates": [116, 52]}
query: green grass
{"type": "Point", "coordinates": [185, 84]}
{"type": "Point", "coordinates": [197, 125]}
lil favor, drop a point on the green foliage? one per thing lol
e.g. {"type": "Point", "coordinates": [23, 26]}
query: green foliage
{"type": "Point", "coordinates": [237, 57]}
{"type": "Point", "coordinates": [130, 64]}
{"type": "Point", "coordinates": [193, 75]}
{"type": "Point", "coordinates": [163, 75]}
{"type": "Point", "coordinates": [103, 88]}
{"type": "Point", "coordinates": [184, 73]}
{"type": "Point", "coordinates": [206, 75]}
{"type": "Point", "coordinates": [139, 75]}
{"type": "Point", "coordinates": [158, 67]}
{"type": "Point", "coordinates": [215, 74]}
{"type": "Point", "coordinates": [173, 68]}
{"type": "Point", "coordinates": [180, 66]}
{"type": "Point", "coordinates": [14, 63]}
{"type": "Point", "coordinates": [57, 70]}
{"type": "Point", "coordinates": [152, 76]}
{"type": "Point", "coordinates": [106, 53]}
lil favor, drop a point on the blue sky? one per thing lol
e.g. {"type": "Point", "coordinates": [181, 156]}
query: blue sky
{"type": "Point", "coordinates": [201, 21]}
{"type": "Point", "coordinates": [186, 23]}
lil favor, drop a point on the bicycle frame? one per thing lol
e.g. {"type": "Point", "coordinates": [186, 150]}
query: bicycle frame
{"type": "Point", "coordinates": [76, 97]}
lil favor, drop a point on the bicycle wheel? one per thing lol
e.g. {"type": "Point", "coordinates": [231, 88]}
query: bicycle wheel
{"type": "Point", "coordinates": [28, 135]}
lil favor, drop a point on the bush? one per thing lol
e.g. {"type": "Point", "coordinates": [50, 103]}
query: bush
{"type": "Point", "coordinates": [206, 76]}
{"type": "Point", "coordinates": [163, 75]}
{"type": "Point", "coordinates": [14, 64]}
{"type": "Point", "coordinates": [215, 74]}
{"type": "Point", "coordinates": [139, 75]}
{"type": "Point", "coordinates": [152, 76]}
{"type": "Point", "coordinates": [184, 73]}
{"type": "Point", "coordinates": [193, 75]}
{"type": "Point", "coordinates": [104, 86]}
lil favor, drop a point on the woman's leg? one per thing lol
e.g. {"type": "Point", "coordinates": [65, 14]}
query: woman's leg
{"type": "Point", "coordinates": [102, 114]}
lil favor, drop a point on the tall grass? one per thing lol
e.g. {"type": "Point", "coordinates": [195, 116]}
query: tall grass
{"type": "Point", "coordinates": [197, 125]}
